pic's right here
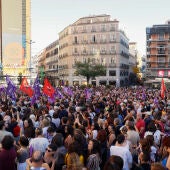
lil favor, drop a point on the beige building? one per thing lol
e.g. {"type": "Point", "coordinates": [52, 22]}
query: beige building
{"type": "Point", "coordinates": [15, 36]}
{"type": "Point", "coordinates": [97, 38]}
{"type": "Point", "coordinates": [47, 62]}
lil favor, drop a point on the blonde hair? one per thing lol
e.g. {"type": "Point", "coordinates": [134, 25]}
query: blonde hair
{"type": "Point", "coordinates": [45, 122]}
{"type": "Point", "coordinates": [73, 162]}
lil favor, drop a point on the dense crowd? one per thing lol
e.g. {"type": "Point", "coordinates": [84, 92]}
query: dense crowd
{"type": "Point", "coordinates": [110, 129]}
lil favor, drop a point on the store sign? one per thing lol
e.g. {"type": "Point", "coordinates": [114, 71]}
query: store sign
{"type": "Point", "coordinates": [161, 73]}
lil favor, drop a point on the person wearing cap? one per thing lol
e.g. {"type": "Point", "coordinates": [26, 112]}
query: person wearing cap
{"type": "Point", "coordinates": [3, 132]}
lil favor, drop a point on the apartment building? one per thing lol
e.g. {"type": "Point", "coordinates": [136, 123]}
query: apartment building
{"type": "Point", "coordinates": [15, 33]}
{"type": "Point", "coordinates": [158, 51]}
{"type": "Point", "coordinates": [100, 39]}
{"type": "Point", "coordinates": [48, 62]}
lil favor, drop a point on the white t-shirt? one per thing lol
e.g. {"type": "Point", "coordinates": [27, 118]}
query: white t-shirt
{"type": "Point", "coordinates": [56, 122]}
{"type": "Point", "coordinates": [124, 153]}
{"type": "Point", "coordinates": [39, 144]}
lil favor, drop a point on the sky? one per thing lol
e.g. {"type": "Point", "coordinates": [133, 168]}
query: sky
{"type": "Point", "coordinates": [49, 17]}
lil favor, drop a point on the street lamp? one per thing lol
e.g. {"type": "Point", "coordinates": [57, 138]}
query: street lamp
{"type": "Point", "coordinates": [30, 62]}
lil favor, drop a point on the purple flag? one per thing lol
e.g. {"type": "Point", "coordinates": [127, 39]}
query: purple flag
{"type": "Point", "coordinates": [87, 93]}
{"type": "Point", "coordinates": [59, 94]}
{"type": "Point", "coordinates": [37, 91]}
{"type": "Point", "coordinates": [68, 90]}
{"type": "Point", "coordinates": [156, 101]}
{"type": "Point", "coordinates": [11, 88]}
{"type": "Point", "coordinates": [143, 95]}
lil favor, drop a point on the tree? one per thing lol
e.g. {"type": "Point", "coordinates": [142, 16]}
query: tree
{"type": "Point", "coordinates": [42, 74]}
{"type": "Point", "coordinates": [90, 70]}
{"type": "Point", "coordinates": [19, 78]}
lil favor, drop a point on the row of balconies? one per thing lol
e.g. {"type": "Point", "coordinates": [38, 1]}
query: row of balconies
{"type": "Point", "coordinates": [157, 53]}
{"type": "Point", "coordinates": [64, 35]}
{"type": "Point", "coordinates": [157, 61]}
{"type": "Point", "coordinates": [94, 42]}
{"type": "Point", "coordinates": [124, 54]}
{"type": "Point", "coordinates": [63, 45]}
{"type": "Point", "coordinates": [93, 30]}
{"type": "Point", "coordinates": [160, 65]}
{"type": "Point", "coordinates": [159, 39]}
{"type": "Point", "coordinates": [93, 53]}
{"type": "Point", "coordinates": [63, 55]}
{"type": "Point", "coordinates": [158, 47]}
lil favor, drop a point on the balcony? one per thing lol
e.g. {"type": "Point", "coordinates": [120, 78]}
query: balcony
{"type": "Point", "coordinates": [84, 31]}
{"type": "Point", "coordinates": [103, 52]}
{"type": "Point", "coordinates": [75, 43]}
{"type": "Point", "coordinates": [75, 53]}
{"type": "Point", "coordinates": [113, 52]}
{"type": "Point", "coordinates": [112, 65]}
{"type": "Point", "coordinates": [93, 30]}
{"type": "Point", "coordinates": [112, 40]}
{"type": "Point", "coordinates": [103, 41]}
{"type": "Point", "coordinates": [84, 53]}
{"type": "Point", "coordinates": [84, 42]}
{"type": "Point", "coordinates": [162, 65]}
{"type": "Point", "coordinates": [113, 29]}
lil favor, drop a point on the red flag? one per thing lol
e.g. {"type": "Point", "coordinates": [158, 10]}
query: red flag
{"type": "Point", "coordinates": [163, 89]}
{"type": "Point", "coordinates": [24, 87]}
{"type": "Point", "coordinates": [48, 89]}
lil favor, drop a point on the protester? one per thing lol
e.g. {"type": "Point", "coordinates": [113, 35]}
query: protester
{"type": "Point", "coordinates": [83, 127]}
{"type": "Point", "coordinates": [7, 153]}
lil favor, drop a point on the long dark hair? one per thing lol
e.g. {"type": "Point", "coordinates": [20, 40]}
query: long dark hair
{"type": "Point", "coordinates": [96, 147]}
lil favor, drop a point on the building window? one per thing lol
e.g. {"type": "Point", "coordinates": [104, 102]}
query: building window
{"type": "Point", "coordinates": [161, 59]}
{"type": "Point", "coordinates": [93, 29]}
{"type": "Point", "coordinates": [161, 36]}
{"type": "Point", "coordinates": [112, 73]}
{"type": "Point", "coordinates": [75, 50]}
{"type": "Point", "coordinates": [103, 27]}
{"type": "Point", "coordinates": [84, 29]}
{"type": "Point", "coordinates": [56, 51]}
{"type": "Point", "coordinates": [75, 40]}
{"type": "Point", "coordinates": [112, 27]}
{"type": "Point", "coordinates": [103, 38]}
{"type": "Point", "coordinates": [93, 38]}
{"type": "Point", "coordinates": [84, 49]}
{"type": "Point", "coordinates": [112, 38]}
{"type": "Point", "coordinates": [161, 49]}
{"type": "Point", "coordinates": [112, 60]}
{"type": "Point", "coordinates": [112, 50]}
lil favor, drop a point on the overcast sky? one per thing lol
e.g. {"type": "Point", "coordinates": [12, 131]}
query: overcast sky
{"type": "Point", "coordinates": [49, 17]}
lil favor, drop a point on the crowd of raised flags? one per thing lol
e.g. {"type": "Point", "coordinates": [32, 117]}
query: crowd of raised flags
{"type": "Point", "coordinates": [35, 91]}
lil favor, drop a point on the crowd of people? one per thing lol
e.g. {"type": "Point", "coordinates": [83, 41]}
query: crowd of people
{"type": "Point", "coordinates": [111, 129]}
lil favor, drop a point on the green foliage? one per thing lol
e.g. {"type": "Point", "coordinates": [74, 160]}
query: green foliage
{"type": "Point", "coordinates": [19, 78]}
{"type": "Point", "coordinates": [89, 70]}
{"type": "Point", "coordinates": [42, 75]}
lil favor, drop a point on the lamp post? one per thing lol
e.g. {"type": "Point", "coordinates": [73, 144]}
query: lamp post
{"type": "Point", "coordinates": [30, 62]}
